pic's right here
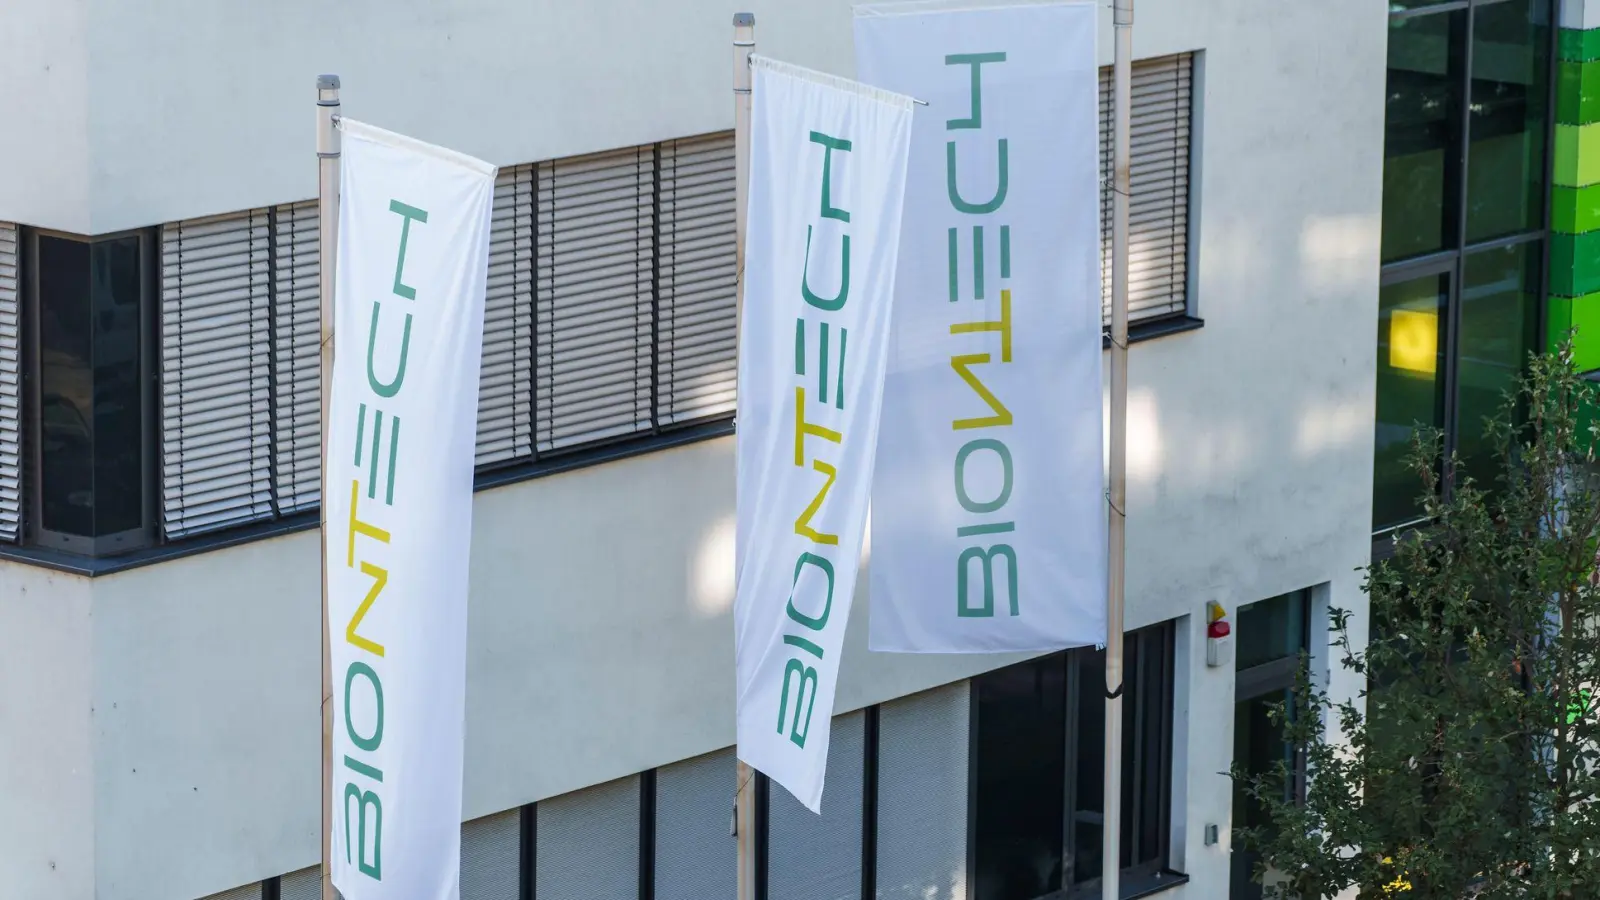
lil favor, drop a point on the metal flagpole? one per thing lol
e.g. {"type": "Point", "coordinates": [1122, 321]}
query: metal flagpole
{"type": "Point", "coordinates": [744, 44]}
{"type": "Point", "coordinates": [327, 247]}
{"type": "Point", "coordinates": [1122, 77]}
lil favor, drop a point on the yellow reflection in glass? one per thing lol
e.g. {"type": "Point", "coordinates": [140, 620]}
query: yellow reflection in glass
{"type": "Point", "coordinates": [1414, 340]}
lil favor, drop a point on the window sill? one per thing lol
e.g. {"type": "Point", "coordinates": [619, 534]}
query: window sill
{"type": "Point", "coordinates": [308, 520]}
{"type": "Point", "coordinates": [1134, 884]}
{"type": "Point", "coordinates": [1156, 328]}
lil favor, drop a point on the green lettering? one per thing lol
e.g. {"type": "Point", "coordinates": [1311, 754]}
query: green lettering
{"type": "Point", "coordinates": [392, 387]}
{"type": "Point", "coordinates": [1001, 451]}
{"type": "Point", "coordinates": [830, 144]}
{"type": "Point", "coordinates": [975, 209]}
{"type": "Point", "coordinates": [407, 213]}
{"type": "Point", "coordinates": [821, 619]}
{"type": "Point", "coordinates": [963, 608]}
{"type": "Point", "coordinates": [368, 744]}
{"type": "Point", "coordinates": [364, 800]}
{"type": "Point", "coordinates": [802, 723]}
{"type": "Point", "coordinates": [838, 301]}
{"type": "Point", "coordinates": [976, 61]}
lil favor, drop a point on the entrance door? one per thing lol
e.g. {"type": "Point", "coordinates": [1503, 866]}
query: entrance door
{"type": "Point", "coordinates": [1271, 636]}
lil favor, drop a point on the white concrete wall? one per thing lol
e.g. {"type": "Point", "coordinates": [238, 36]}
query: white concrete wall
{"type": "Point", "coordinates": [44, 114]}
{"type": "Point", "coordinates": [47, 714]}
{"type": "Point", "coordinates": [600, 632]}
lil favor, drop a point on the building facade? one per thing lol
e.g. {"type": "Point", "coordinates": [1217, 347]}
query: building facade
{"type": "Point", "coordinates": [159, 637]}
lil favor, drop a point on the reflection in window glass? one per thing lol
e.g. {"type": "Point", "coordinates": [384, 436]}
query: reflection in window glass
{"type": "Point", "coordinates": [114, 295]}
{"type": "Point", "coordinates": [1019, 787]}
{"type": "Point", "coordinates": [1499, 309]}
{"type": "Point", "coordinates": [91, 467]}
{"type": "Point", "coordinates": [1510, 104]}
{"type": "Point", "coordinates": [1271, 630]}
{"type": "Point", "coordinates": [1422, 134]}
{"type": "Point", "coordinates": [66, 386]}
{"type": "Point", "coordinates": [1410, 390]}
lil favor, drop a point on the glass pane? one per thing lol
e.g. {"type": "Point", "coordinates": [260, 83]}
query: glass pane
{"type": "Point", "coordinates": [1258, 746]}
{"type": "Point", "coordinates": [1271, 630]}
{"type": "Point", "coordinates": [1422, 133]}
{"type": "Point", "coordinates": [114, 296]}
{"type": "Point", "coordinates": [1145, 737]}
{"type": "Point", "coordinates": [1020, 780]}
{"type": "Point", "coordinates": [1510, 105]}
{"type": "Point", "coordinates": [1410, 390]}
{"type": "Point", "coordinates": [1498, 322]}
{"type": "Point", "coordinates": [66, 387]}
{"type": "Point", "coordinates": [1089, 734]}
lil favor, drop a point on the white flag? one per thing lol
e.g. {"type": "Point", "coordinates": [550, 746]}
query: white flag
{"type": "Point", "coordinates": [988, 526]}
{"type": "Point", "coordinates": [827, 176]}
{"type": "Point", "coordinates": [408, 310]}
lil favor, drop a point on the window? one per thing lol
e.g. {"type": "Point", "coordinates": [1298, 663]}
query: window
{"type": "Point", "coordinates": [90, 399]}
{"type": "Point", "coordinates": [1038, 770]}
{"type": "Point", "coordinates": [609, 316]}
{"type": "Point", "coordinates": [1158, 209]}
{"type": "Point", "coordinates": [1464, 196]}
{"type": "Point", "coordinates": [1271, 637]}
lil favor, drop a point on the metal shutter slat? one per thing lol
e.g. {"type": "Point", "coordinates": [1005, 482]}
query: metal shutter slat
{"type": "Point", "coordinates": [812, 857]}
{"type": "Point", "coordinates": [588, 843]}
{"type": "Point", "coordinates": [491, 857]}
{"type": "Point", "coordinates": [505, 398]}
{"type": "Point", "coordinates": [305, 884]}
{"type": "Point", "coordinates": [248, 892]}
{"type": "Point", "coordinates": [696, 368]}
{"type": "Point", "coordinates": [10, 386]}
{"type": "Point", "coordinates": [215, 372]}
{"type": "Point", "coordinates": [922, 794]}
{"type": "Point", "coordinates": [696, 857]}
{"type": "Point", "coordinates": [1158, 214]}
{"type": "Point", "coordinates": [594, 283]}
{"type": "Point", "coordinates": [297, 321]}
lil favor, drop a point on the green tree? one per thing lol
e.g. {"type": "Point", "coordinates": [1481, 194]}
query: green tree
{"type": "Point", "coordinates": [1470, 766]}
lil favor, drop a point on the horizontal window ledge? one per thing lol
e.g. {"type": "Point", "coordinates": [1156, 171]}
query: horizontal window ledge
{"type": "Point", "coordinates": [1132, 884]}
{"type": "Point", "coordinates": [308, 520]}
{"type": "Point", "coordinates": [511, 474]}
{"type": "Point", "coordinates": [1156, 328]}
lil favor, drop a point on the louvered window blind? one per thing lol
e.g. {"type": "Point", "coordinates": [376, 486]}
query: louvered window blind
{"type": "Point", "coordinates": [587, 843]}
{"type": "Point", "coordinates": [10, 387]}
{"type": "Point", "coordinates": [922, 795]}
{"type": "Point", "coordinates": [695, 856]}
{"type": "Point", "coordinates": [811, 857]}
{"type": "Point", "coordinates": [305, 884]}
{"type": "Point", "coordinates": [609, 314]}
{"type": "Point", "coordinates": [1158, 213]}
{"type": "Point", "coordinates": [239, 368]}
{"type": "Point", "coordinates": [248, 892]}
{"type": "Point", "coordinates": [491, 857]}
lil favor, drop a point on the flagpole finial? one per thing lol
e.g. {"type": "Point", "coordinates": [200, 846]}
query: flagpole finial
{"type": "Point", "coordinates": [327, 82]}
{"type": "Point", "coordinates": [744, 19]}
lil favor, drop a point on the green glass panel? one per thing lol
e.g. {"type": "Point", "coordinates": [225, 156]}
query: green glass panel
{"type": "Point", "coordinates": [1578, 92]}
{"type": "Point", "coordinates": [1585, 322]}
{"type": "Point", "coordinates": [1499, 303]}
{"type": "Point", "coordinates": [1575, 264]}
{"type": "Point", "coordinates": [1410, 390]}
{"type": "Point", "coordinates": [1510, 108]}
{"type": "Point", "coordinates": [1271, 630]}
{"type": "Point", "coordinates": [1422, 133]}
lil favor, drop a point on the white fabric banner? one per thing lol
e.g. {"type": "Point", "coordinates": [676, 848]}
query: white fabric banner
{"type": "Point", "coordinates": [827, 177]}
{"type": "Point", "coordinates": [989, 513]}
{"type": "Point", "coordinates": [413, 261]}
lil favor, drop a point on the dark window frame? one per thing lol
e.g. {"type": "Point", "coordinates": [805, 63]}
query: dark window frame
{"type": "Point", "coordinates": [34, 531]}
{"type": "Point", "coordinates": [1451, 262]}
{"type": "Point", "coordinates": [1162, 638]}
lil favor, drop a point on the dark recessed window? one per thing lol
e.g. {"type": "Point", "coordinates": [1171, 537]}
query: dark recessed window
{"type": "Point", "coordinates": [90, 366]}
{"type": "Point", "coordinates": [1038, 770]}
{"type": "Point", "coordinates": [1465, 197]}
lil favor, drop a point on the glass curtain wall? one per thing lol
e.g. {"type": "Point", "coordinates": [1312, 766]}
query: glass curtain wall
{"type": "Point", "coordinates": [1465, 187]}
